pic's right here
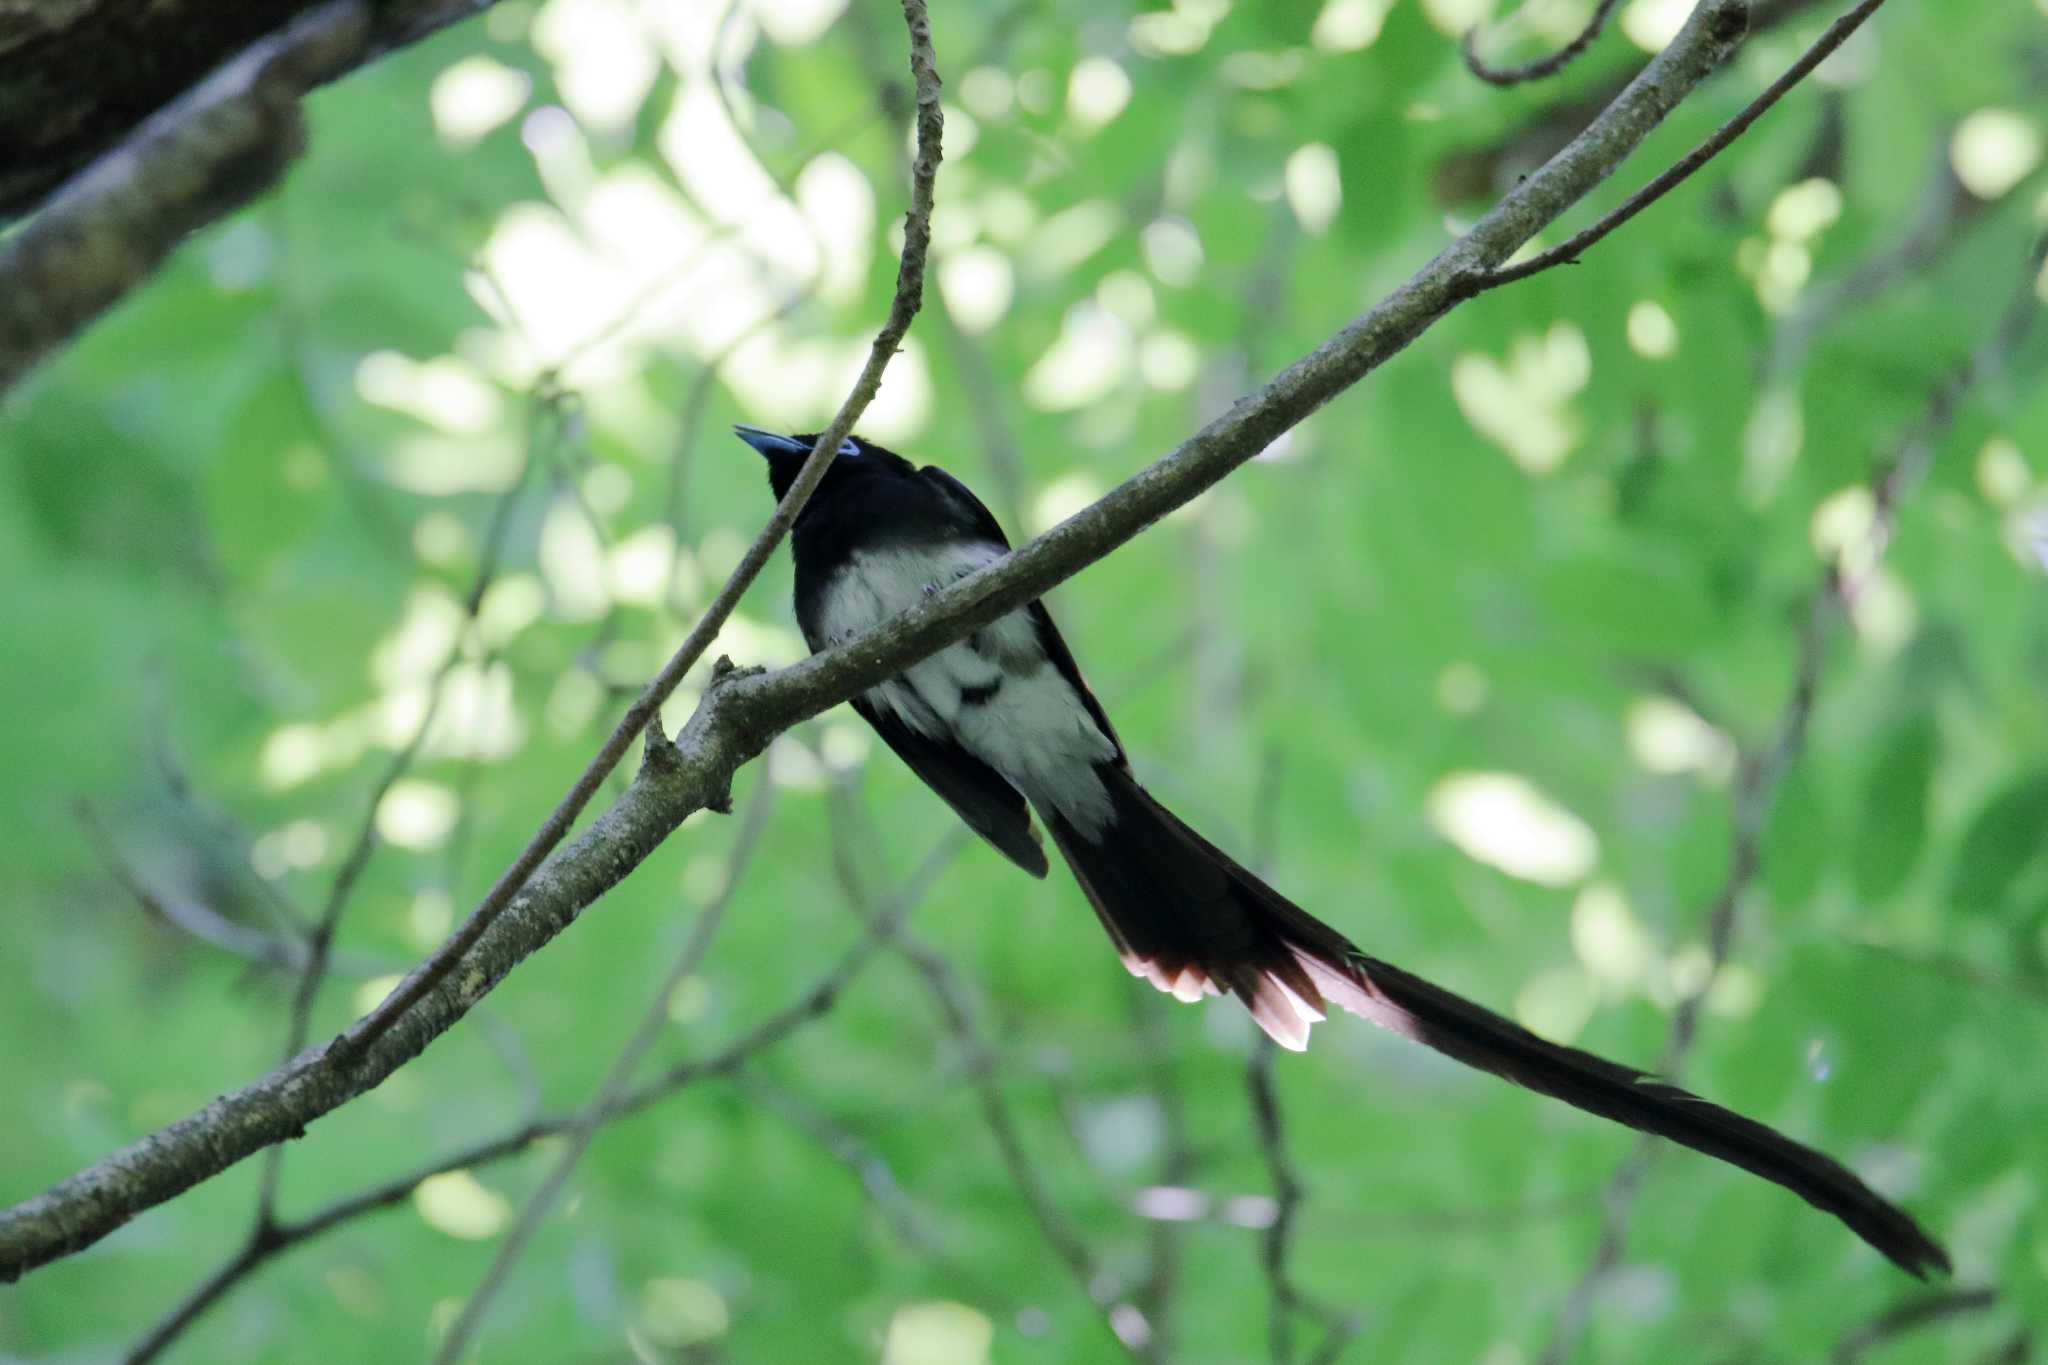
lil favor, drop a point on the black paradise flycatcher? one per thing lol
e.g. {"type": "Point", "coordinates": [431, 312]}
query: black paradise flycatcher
{"type": "Point", "coordinates": [1001, 724]}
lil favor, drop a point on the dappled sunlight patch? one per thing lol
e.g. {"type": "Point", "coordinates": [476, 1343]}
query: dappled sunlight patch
{"type": "Point", "coordinates": [2026, 533]}
{"type": "Point", "coordinates": [794, 767]}
{"type": "Point", "coordinates": [1170, 361]}
{"type": "Point", "coordinates": [292, 754]}
{"type": "Point", "coordinates": [416, 648]}
{"type": "Point", "coordinates": [1069, 237]}
{"type": "Point", "coordinates": [1097, 91]}
{"type": "Point", "coordinates": [478, 716]}
{"type": "Point", "coordinates": [1314, 187]}
{"type": "Point", "coordinates": [1610, 941]}
{"type": "Point", "coordinates": [474, 96]}
{"type": "Point", "coordinates": [1652, 334]}
{"type": "Point", "coordinates": [1506, 822]}
{"type": "Point", "coordinates": [1085, 363]}
{"type": "Point", "coordinates": [1883, 611]}
{"type": "Point", "coordinates": [1771, 443]}
{"type": "Point", "coordinates": [638, 567]}
{"type": "Point", "coordinates": [1652, 24]}
{"type": "Point", "coordinates": [2003, 475]}
{"type": "Point", "coordinates": [375, 990]}
{"type": "Point", "coordinates": [937, 1333]}
{"type": "Point", "coordinates": [441, 540]}
{"type": "Point", "coordinates": [845, 747]}
{"type": "Point", "coordinates": [751, 640]}
{"type": "Point", "coordinates": [1461, 688]}
{"type": "Point", "coordinates": [903, 407]}
{"type": "Point", "coordinates": [989, 92]}
{"type": "Point", "coordinates": [1179, 31]}
{"type": "Point", "coordinates": [795, 23]}
{"type": "Point", "coordinates": [839, 204]}
{"type": "Point", "coordinates": [978, 284]}
{"type": "Point", "coordinates": [1803, 211]}
{"type": "Point", "coordinates": [603, 60]}
{"type": "Point", "coordinates": [1992, 150]}
{"type": "Point", "coordinates": [428, 918]}
{"type": "Point", "coordinates": [445, 392]}
{"type": "Point", "coordinates": [1172, 250]}
{"type": "Point", "coordinates": [1843, 528]}
{"type": "Point", "coordinates": [1556, 1003]}
{"type": "Point", "coordinates": [573, 703]}
{"type": "Point", "coordinates": [1456, 18]}
{"type": "Point", "coordinates": [513, 602]}
{"type": "Point", "coordinates": [1349, 25]}
{"type": "Point", "coordinates": [417, 814]}
{"type": "Point", "coordinates": [457, 1204]}
{"type": "Point", "coordinates": [572, 561]}
{"type": "Point", "coordinates": [1062, 498]}
{"type": "Point", "coordinates": [294, 847]}
{"type": "Point", "coordinates": [677, 1313]}
{"type": "Point", "coordinates": [1667, 737]}
{"type": "Point", "coordinates": [1523, 406]}
{"type": "Point", "coordinates": [1268, 70]}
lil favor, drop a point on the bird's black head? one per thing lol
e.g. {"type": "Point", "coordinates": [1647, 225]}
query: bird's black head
{"type": "Point", "coordinates": [786, 455]}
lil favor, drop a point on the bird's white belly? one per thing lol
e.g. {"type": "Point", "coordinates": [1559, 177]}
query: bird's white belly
{"type": "Point", "coordinates": [996, 694]}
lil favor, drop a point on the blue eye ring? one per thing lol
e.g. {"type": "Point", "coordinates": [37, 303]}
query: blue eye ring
{"type": "Point", "coordinates": [849, 447]}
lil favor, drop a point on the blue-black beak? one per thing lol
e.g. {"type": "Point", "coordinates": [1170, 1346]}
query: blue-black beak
{"type": "Point", "coordinates": [770, 444]}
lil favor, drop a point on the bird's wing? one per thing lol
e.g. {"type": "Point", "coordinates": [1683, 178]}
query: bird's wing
{"type": "Point", "coordinates": [986, 525]}
{"type": "Point", "coordinates": [991, 807]}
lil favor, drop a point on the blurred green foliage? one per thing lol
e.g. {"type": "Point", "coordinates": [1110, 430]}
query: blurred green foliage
{"type": "Point", "coordinates": [1566, 538]}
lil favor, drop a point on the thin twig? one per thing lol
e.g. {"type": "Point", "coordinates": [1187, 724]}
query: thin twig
{"type": "Point", "coordinates": [206, 924]}
{"type": "Point", "coordinates": [1923, 1310]}
{"type": "Point", "coordinates": [740, 712]}
{"type": "Point", "coordinates": [814, 1003]}
{"type": "Point", "coordinates": [1543, 67]}
{"type": "Point", "coordinates": [619, 1078]}
{"type": "Point", "coordinates": [1569, 251]}
{"type": "Point", "coordinates": [320, 941]}
{"type": "Point", "coordinates": [949, 996]}
{"type": "Point", "coordinates": [1761, 773]}
{"type": "Point", "coordinates": [909, 297]}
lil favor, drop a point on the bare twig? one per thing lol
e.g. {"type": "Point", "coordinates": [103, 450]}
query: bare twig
{"type": "Point", "coordinates": [909, 297]}
{"type": "Point", "coordinates": [618, 1079]}
{"type": "Point", "coordinates": [1761, 772]}
{"type": "Point", "coordinates": [815, 1003]}
{"type": "Point", "coordinates": [740, 713]}
{"type": "Point", "coordinates": [949, 995]}
{"type": "Point", "coordinates": [1568, 252]}
{"type": "Point", "coordinates": [1543, 67]}
{"type": "Point", "coordinates": [206, 924]}
{"type": "Point", "coordinates": [1923, 1310]}
{"type": "Point", "coordinates": [320, 941]}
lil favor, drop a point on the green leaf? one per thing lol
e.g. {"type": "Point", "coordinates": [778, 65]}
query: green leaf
{"type": "Point", "coordinates": [1892, 830]}
{"type": "Point", "coordinates": [2008, 836]}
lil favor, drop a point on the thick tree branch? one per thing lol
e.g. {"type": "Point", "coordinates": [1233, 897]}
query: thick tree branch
{"type": "Point", "coordinates": [740, 714]}
{"type": "Point", "coordinates": [200, 159]}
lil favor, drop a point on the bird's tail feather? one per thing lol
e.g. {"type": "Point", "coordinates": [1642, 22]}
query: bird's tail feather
{"type": "Point", "coordinates": [1194, 923]}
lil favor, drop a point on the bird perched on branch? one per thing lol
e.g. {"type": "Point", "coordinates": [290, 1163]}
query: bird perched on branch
{"type": "Point", "coordinates": [1001, 724]}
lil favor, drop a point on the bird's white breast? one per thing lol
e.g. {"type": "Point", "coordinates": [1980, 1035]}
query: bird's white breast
{"type": "Point", "coordinates": [1032, 727]}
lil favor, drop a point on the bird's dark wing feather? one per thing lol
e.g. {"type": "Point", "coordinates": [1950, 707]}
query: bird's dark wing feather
{"type": "Point", "coordinates": [985, 524]}
{"type": "Point", "coordinates": [991, 807]}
